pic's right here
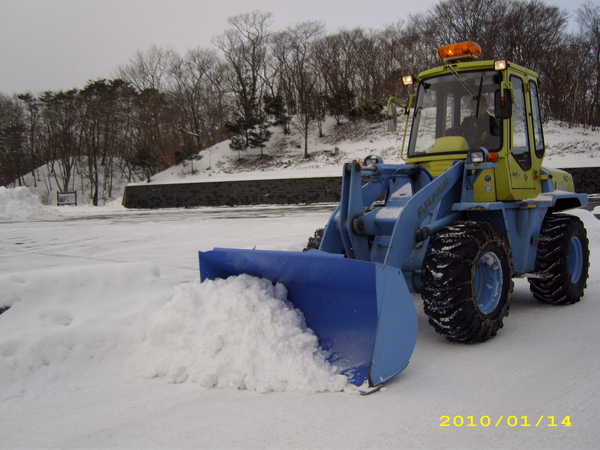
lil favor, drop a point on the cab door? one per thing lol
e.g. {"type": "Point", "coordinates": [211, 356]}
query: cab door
{"type": "Point", "coordinates": [520, 160]}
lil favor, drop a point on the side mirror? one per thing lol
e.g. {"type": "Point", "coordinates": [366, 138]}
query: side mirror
{"type": "Point", "coordinates": [503, 104]}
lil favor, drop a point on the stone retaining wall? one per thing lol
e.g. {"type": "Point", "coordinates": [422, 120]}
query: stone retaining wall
{"type": "Point", "coordinates": [587, 179]}
{"type": "Point", "coordinates": [231, 193]}
{"type": "Point", "coordinates": [271, 192]}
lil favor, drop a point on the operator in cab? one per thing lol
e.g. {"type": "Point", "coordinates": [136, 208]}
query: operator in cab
{"type": "Point", "coordinates": [480, 128]}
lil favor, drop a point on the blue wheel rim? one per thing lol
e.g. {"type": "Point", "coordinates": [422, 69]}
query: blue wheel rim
{"type": "Point", "coordinates": [488, 282]}
{"type": "Point", "coordinates": [575, 259]}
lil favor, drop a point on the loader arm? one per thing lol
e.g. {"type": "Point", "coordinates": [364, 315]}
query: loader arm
{"type": "Point", "coordinates": [425, 213]}
{"type": "Point", "coordinates": [415, 205]}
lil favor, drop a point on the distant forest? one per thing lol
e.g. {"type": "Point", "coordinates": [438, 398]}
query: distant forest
{"type": "Point", "coordinates": [163, 107]}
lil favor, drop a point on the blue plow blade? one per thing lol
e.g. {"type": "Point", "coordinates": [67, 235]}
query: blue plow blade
{"type": "Point", "coordinates": [361, 312]}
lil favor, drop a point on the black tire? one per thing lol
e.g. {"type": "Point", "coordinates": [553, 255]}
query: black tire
{"type": "Point", "coordinates": [314, 242]}
{"type": "Point", "coordinates": [460, 306]}
{"type": "Point", "coordinates": [563, 261]}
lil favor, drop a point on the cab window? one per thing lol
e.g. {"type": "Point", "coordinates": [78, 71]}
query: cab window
{"type": "Point", "coordinates": [538, 134]}
{"type": "Point", "coordinates": [520, 128]}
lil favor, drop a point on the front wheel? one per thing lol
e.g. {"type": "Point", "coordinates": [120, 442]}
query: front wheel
{"type": "Point", "coordinates": [467, 282]}
{"type": "Point", "coordinates": [562, 260]}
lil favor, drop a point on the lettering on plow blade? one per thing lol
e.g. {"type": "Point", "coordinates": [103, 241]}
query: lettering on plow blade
{"type": "Point", "coordinates": [433, 198]}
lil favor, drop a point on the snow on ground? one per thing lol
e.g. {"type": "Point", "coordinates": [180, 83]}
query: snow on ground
{"type": "Point", "coordinates": [71, 320]}
{"type": "Point", "coordinates": [112, 343]}
{"type": "Point", "coordinates": [571, 146]}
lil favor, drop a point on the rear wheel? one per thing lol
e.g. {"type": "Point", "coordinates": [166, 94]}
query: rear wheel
{"type": "Point", "coordinates": [562, 260]}
{"type": "Point", "coordinates": [314, 242]}
{"type": "Point", "coordinates": [467, 282]}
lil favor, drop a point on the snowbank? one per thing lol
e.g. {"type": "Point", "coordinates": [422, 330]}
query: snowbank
{"type": "Point", "coordinates": [22, 204]}
{"type": "Point", "coordinates": [571, 146]}
{"type": "Point", "coordinates": [239, 333]}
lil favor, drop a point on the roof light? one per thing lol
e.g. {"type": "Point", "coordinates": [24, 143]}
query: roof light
{"type": "Point", "coordinates": [463, 51]}
{"type": "Point", "coordinates": [408, 80]}
{"type": "Point", "coordinates": [500, 65]}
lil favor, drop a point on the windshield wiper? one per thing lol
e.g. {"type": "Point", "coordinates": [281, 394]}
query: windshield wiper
{"type": "Point", "coordinates": [470, 91]}
{"type": "Point", "coordinates": [478, 98]}
{"type": "Point", "coordinates": [463, 82]}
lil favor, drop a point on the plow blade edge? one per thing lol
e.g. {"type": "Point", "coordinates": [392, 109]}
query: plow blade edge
{"type": "Point", "coordinates": [361, 312]}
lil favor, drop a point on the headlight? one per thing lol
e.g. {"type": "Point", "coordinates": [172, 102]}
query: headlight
{"type": "Point", "coordinates": [477, 156]}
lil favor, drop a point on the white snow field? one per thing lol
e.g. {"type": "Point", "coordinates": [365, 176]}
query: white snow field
{"type": "Point", "coordinates": [111, 342]}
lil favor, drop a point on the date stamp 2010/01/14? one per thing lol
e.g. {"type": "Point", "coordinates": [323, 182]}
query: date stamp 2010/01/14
{"type": "Point", "coordinates": [511, 421]}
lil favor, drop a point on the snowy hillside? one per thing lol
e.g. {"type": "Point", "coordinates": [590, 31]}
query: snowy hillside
{"type": "Point", "coordinates": [284, 157]}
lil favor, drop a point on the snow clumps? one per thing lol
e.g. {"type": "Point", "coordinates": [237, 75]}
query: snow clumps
{"type": "Point", "coordinates": [239, 333]}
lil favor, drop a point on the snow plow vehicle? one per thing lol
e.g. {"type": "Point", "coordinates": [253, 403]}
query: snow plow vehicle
{"type": "Point", "coordinates": [471, 209]}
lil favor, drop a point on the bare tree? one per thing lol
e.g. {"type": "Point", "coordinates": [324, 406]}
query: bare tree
{"type": "Point", "coordinates": [295, 51]}
{"type": "Point", "coordinates": [588, 18]}
{"type": "Point", "coordinates": [336, 59]}
{"type": "Point", "coordinates": [469, 20]}
{"type": "Point", "coordinates": [106, 106]}
{"type": "Point", "coordinates": [62, 112]}
{"type": "Point", "coordinates": [151, 141]}
{"type": "Point", "coordinates": [388, 43]}
{"type": "Point", "coordinates": [532, 30]}
{"type": "Point", "coordinates": [194, 92]}
{"type": "Point", "coordinates": [32, 120]}
{"type": "Point", "coordinates": [147, 70]}
{"type": "Point", "coordinates": [245, 49]}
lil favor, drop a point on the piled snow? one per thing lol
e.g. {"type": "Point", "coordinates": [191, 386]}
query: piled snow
{"type": "Point", "coordinates": [22, 204]}
{"type": "Point", "coordinates": [239, 333]}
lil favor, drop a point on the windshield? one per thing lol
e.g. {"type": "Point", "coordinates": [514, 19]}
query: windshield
{"type": "Point", "coordinates": [453, 113]}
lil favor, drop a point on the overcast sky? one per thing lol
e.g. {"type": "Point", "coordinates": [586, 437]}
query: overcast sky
{"type": "Point", "coordinates": [62, 44]}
